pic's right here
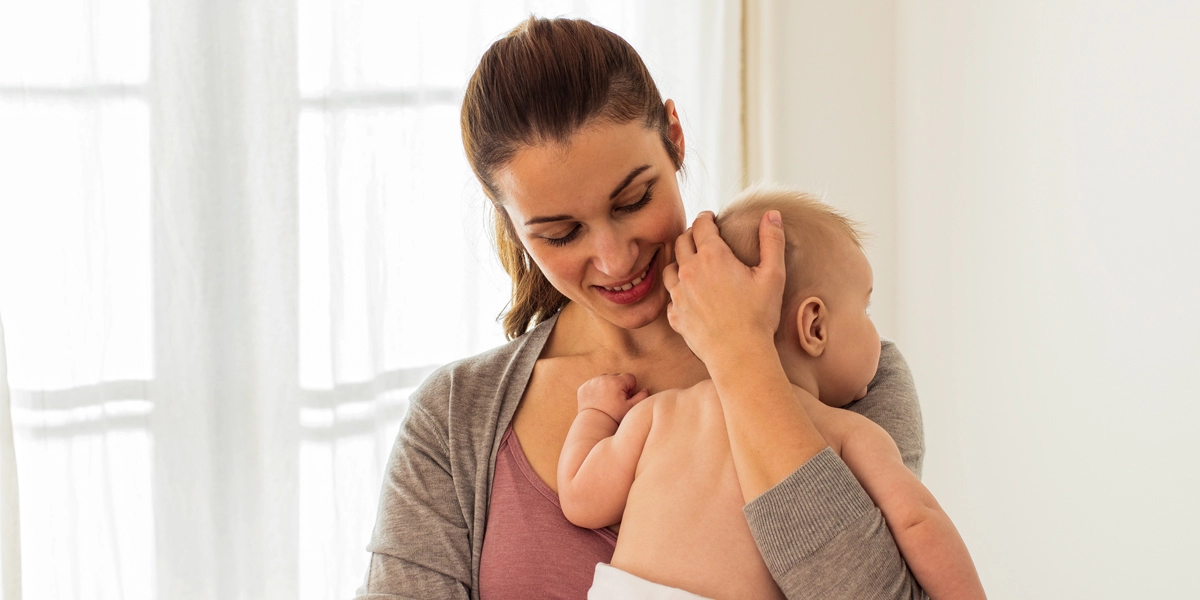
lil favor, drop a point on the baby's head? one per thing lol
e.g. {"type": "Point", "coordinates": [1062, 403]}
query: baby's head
{"type": "Point", "coordinates": [826, 341]}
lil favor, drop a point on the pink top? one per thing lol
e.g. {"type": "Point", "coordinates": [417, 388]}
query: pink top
{"type": "Point", "coordinates": [530, 550]}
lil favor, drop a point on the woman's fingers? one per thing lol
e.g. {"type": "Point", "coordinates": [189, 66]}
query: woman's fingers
{"type": "Point", "coordinates": [771, 243]}
{"type": "Point", "coordinates": [670, 276]}
{"type": "Point", "coordinates": [685, 246]}
{"type": "Point", "coordinates": [704, 229]}
{"type": "Point", "coordinates": [717, 302]}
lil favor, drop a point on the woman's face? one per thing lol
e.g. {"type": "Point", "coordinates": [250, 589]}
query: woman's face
{"type": "Point", "coordinates": [599, 215]}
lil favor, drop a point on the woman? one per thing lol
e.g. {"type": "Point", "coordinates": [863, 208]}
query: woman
{"type": "Point", "coordinates": [571, 141]}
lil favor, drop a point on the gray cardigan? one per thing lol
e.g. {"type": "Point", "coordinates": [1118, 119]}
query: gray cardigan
{"type": "Point", "coordinates": [819, 532]}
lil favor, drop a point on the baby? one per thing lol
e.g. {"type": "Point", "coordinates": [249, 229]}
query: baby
{"type": "Point", "coordinates": [662, 467]}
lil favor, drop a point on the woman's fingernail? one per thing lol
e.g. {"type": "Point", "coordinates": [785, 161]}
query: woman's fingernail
{"type": "Point", "coordinates": [774, 218]}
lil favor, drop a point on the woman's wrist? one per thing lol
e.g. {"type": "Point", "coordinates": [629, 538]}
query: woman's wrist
{"type": "Point", "coordinates": [741, 355]}
{"type": "Point", "coordinates": [770, 433]}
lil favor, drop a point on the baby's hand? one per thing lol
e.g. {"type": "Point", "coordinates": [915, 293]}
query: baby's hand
{"type": "Point", "coordinates": [611, 394]}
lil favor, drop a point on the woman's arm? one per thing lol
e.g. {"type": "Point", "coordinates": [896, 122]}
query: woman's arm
{"type": "Point", "coordinates": [728, 313]}
{"type": "Point", "coordinates": [927, 538]}
{"type": "Point", "coordinates": [420, 547]}
{"type": "Point", "coordinates": [891, 403]}
{"type": "Point", "coordinates": [821, 536]}
{"type": "Point", "coordinates": [817, 529]}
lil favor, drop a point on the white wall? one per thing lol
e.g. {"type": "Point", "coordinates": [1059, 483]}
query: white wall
{"type": "Point", "coordinates": [1047, 263]}
{"type": "Point", "coordinates": [823, 116]}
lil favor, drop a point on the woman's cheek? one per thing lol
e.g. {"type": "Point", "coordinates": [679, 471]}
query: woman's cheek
{"type": "Point", "coordinates": [565, 271]}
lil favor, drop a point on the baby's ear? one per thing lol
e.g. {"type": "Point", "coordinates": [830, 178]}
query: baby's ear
{"type": "Point", "coordinates": [812, 326]}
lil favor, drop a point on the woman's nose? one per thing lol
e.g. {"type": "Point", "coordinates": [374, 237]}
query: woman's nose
{"type": "Point", "coordinates": [616, 255]}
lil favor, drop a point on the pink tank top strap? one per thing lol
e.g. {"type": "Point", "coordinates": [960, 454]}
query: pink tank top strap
{"type": "Point", "coordinates": [530, 550]}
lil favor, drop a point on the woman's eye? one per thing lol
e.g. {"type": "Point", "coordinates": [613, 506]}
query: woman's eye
{"type": "Point", "coordinates": [639, 204]}
{"type": "Point", "coordinates": [563, 240]}
{"type": "Point", "coordinates": [574, 233]}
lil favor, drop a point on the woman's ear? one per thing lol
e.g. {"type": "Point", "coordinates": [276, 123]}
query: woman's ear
{"type": "Point", "coordinates": [812, 323]}
{"type": "Point", "coordinates": [674, 127]}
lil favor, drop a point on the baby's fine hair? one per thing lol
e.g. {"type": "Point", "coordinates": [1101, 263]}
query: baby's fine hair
{"type": "Point", "coordinates": [812, 228]}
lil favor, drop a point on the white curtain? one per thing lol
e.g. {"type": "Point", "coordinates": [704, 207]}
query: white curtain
{"type": "Point", "coordinates": [233, 237]}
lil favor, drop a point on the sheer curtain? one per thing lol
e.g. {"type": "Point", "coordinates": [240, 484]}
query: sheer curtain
{"type": "Point", "coordinates": [233, 237]}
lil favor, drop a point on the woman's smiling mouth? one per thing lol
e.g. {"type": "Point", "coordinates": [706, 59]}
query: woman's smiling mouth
{"type": "Point", "coordinates": [634, 290]}
{"type": "Point", "coordinates": [630, 285]}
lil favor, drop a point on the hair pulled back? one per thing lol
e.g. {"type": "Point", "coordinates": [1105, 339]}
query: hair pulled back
{"type": "Point", "coordinates": [544, 81]}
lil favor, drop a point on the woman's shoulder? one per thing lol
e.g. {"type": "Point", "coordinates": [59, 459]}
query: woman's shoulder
{"type": "Point", "coordinates": [892, 363]}
{"type": "Point", "coordinates": [892, 403]}
{"type": "Point", "coordinates": [489, 375]}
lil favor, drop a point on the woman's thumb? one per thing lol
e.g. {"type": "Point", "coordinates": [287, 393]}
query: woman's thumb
{"type": "Point", "coordinates": [771, 242]}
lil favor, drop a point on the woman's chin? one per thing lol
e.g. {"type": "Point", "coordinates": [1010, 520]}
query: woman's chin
{"type": "Point", "coordinates": [636, 316]}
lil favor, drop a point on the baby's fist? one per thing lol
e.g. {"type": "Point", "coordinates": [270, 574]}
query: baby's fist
{"type": "Point", "coordinates": [611, 394]}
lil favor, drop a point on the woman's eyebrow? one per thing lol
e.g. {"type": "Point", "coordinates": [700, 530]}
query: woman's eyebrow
{"type": "Point", "coordinates": [628, 178]}
{"type": "Point", "coordinates": [613, 196]}
{"type": "Point", "coordinates": [551, 219]}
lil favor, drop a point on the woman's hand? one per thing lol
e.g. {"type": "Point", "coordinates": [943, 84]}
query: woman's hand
{"type": "Point", "coordinates": [728, 312]}
{"type": "Point", "coordinates": [720, 306]}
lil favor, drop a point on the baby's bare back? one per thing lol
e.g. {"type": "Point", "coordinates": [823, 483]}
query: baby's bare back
{"type": "Point", "coordinates": [683, 524]}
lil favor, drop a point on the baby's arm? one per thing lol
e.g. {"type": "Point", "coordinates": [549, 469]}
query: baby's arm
{"type": "Point", "coordinates": [927, 539]}
{"type": "Point", "coordinates": [600, 455]}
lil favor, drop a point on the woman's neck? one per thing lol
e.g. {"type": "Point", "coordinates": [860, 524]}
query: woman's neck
{"type": "Point", "coordinates": [580, 331]}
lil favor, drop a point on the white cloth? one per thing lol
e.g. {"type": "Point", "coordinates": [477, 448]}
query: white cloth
{"type": "Point", "coordinates": [611, 583]}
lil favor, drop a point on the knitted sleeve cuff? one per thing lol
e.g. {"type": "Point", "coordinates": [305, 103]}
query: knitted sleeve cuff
{"type": "Point", "coordinates": [802, 513]}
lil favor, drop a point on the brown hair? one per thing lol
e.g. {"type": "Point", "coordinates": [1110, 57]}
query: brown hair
{"type": "Point", "coordinates": [812, 228]}
{"type": "Point", "coordinates": [544, 81]}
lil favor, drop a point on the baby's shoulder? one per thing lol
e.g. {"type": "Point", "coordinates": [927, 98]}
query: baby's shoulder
{"type": "Point", "coordinates": [701, 397]}
{"type": "Point", "coordinates": [704, 392]}
{"type": "Point", "coordinates": [703, 388]}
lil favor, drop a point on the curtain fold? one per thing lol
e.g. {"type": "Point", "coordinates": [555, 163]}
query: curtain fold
{"type": "Point", "coordinates": [225, 391]}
